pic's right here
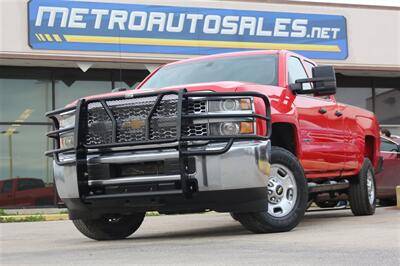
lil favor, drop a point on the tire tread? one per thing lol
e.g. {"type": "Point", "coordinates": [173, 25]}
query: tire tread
{"type": "Point", "coordinates": [97, 230]}
{"type": "Point", "coordinates": [358, 193]}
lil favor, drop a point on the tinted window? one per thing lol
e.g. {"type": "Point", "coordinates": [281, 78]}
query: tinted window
{"type": "Point", "coordinates": [296, 71]}
{"type": "Point", "coordinates": [261, 69]}
{"type": "Point", "coordinates": [388, 146]}
{"type": "Point", "coordinates": [26, 184]}
{"type": "Point", "coordinates": [7, 186]}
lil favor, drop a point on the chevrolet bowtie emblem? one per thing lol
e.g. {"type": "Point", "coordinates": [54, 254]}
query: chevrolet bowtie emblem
{"type": "Point", "coordinates": [133, 124]}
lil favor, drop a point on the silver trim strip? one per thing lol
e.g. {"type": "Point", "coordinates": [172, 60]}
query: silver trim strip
{"type": "Point", "coordinates": [123, 195]}
{"type": "Point", "coordinates": [136, 179]}
{"type": "Point", "coordinates": [134, 158]}
{"type": "Point", "coordinates": [139, 147]}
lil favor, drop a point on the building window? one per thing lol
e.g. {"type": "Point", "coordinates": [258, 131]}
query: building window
{"type": "Point", "coordinates": [67, 93]}
{"type": "Point", "coordinates": [24, 99]}
{"type": "Point", "coordinates": [360, 97]}
{"type": "Point", "coordinates": [22, 153]}
{"type": "Point", "coordinates": [26, 95]}
{"type": "Point", "coordinates": [387, 106]}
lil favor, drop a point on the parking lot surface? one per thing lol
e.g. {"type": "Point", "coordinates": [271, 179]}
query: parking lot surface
{"type": "Point", "coordinates": [324, 237]}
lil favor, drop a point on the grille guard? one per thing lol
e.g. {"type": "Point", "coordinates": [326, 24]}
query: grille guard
{"type": "Point", "coordinates": [181, 143]}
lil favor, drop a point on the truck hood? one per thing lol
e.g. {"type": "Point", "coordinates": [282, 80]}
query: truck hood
{"type": "Point", "coordinates": [222, 86]}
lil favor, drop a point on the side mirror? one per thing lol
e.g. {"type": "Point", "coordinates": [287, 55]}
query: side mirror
{"type": "Point", "coordinates": [323, 80]}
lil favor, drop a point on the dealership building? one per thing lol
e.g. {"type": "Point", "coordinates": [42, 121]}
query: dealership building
{"type": "Point", "coordinates": [52, 52]}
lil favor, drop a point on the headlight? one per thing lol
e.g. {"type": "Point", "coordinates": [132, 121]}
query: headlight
{"type": "Point", "coordinates": [229, 128]}
{"type": "Point", "coordinates": [230, 105]}
{"type": "Point", "coordinates": [67, 140]}
{"type": "Point", "coordinates": [67, 120]}
{"type": "Point", "coordinates": [232, 128]}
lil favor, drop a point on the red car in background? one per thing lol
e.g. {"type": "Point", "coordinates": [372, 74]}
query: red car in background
{"type": "Point", "coordinates": [26, 192]}
{"type": "Point", "coordinates": [389, 178]}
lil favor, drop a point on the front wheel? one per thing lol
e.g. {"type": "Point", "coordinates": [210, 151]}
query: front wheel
{"type": "Point", "coordinates": [110, 227]}
{"type": "Point", "coordinates": [287, 196]}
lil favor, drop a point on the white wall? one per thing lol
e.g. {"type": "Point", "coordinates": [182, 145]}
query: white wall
{"type": "Point", "coordinates": [373, 33]}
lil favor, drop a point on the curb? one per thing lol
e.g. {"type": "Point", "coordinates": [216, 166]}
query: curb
{"type": "Point", "coordinates": [33, 218]}
{"type": "Point", "coordinates": [43, 217]}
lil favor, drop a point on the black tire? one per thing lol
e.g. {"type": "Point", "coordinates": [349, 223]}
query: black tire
{"type": "Point", "coordinates": [327, 203]}
{"type": "Point", "coordinates": [263, 222]}
{"type": "Point", "coordinates": [110, 227]}
{"type": "Point", "coordinates": [234, 216]}
{"type": "Point", "coordinates": [358, 192]}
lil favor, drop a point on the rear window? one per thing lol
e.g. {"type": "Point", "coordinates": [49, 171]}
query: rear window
{"type": "Point", "coordinates": [388, 146]}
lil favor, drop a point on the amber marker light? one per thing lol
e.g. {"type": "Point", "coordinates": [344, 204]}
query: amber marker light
{"type": "Point", "coordinates": [246, 127]}
{"type": "Point", "coordinates": [245, 104]}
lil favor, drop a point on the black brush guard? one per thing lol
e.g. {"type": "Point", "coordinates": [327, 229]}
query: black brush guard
{"type": "Point", "coordinates": [189, 185]}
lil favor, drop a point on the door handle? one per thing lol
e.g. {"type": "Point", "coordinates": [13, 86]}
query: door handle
{"type": "Point", "coordinates": [338, 113]}
{"type": "Point", "coordinates": [322, 111]}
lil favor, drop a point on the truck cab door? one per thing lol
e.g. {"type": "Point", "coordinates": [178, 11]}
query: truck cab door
{"type": "Point", "coordinates": [345, 121]}
{"type": "Point", "coordinates": [321, 134]}
{"type": "Point", "coordinates": [7, 194]}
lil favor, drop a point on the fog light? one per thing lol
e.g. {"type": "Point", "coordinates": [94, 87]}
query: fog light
{"type": "Point", "coordinates": [229, 128]}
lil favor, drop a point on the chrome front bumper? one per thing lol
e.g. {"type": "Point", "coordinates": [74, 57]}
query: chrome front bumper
{"type": "Point", "coordinates": [244, 166]}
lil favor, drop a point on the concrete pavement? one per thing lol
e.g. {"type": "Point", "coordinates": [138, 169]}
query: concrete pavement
{"type": "Point", "coordinates": [325, 237]}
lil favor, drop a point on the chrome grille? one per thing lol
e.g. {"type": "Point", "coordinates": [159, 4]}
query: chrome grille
{"type": "Point", "coordinates": [131, 115]}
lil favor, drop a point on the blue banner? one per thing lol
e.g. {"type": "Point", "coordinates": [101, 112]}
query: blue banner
{"type": "Point", "coordinates": [134, 28]}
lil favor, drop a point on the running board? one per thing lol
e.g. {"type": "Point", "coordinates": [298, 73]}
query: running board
{"type": "Point", "coordinates": [318, 188]}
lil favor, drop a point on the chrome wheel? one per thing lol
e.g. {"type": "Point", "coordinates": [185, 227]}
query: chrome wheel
{"type": "Point", "coordinates": [371, 187]}
{"type": "Point", "coordinates": [282, 191]}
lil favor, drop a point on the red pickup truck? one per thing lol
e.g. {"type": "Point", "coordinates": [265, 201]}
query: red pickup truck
{"type": "Point", "coordinates": [257, 134]}
{"type": "Point", "coordinates": [25, 192]}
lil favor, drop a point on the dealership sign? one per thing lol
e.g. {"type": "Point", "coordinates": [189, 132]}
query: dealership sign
{"type": "Point", "coordinates": [134, 28]}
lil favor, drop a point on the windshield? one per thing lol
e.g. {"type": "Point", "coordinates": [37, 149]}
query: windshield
{"type": "Point", "coordinates": [261, 69]}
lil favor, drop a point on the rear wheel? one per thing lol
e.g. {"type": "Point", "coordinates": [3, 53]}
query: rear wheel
{"type": "Point", "coordinates": [362, 191]}
{"type": "Point", "coordinates": [110, 227]}
{"type": "Point", "coordinates": [287, 196]}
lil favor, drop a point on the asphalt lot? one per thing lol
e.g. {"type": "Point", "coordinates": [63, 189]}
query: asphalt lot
{"type": "Point", "coordinates": [324, 237]}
